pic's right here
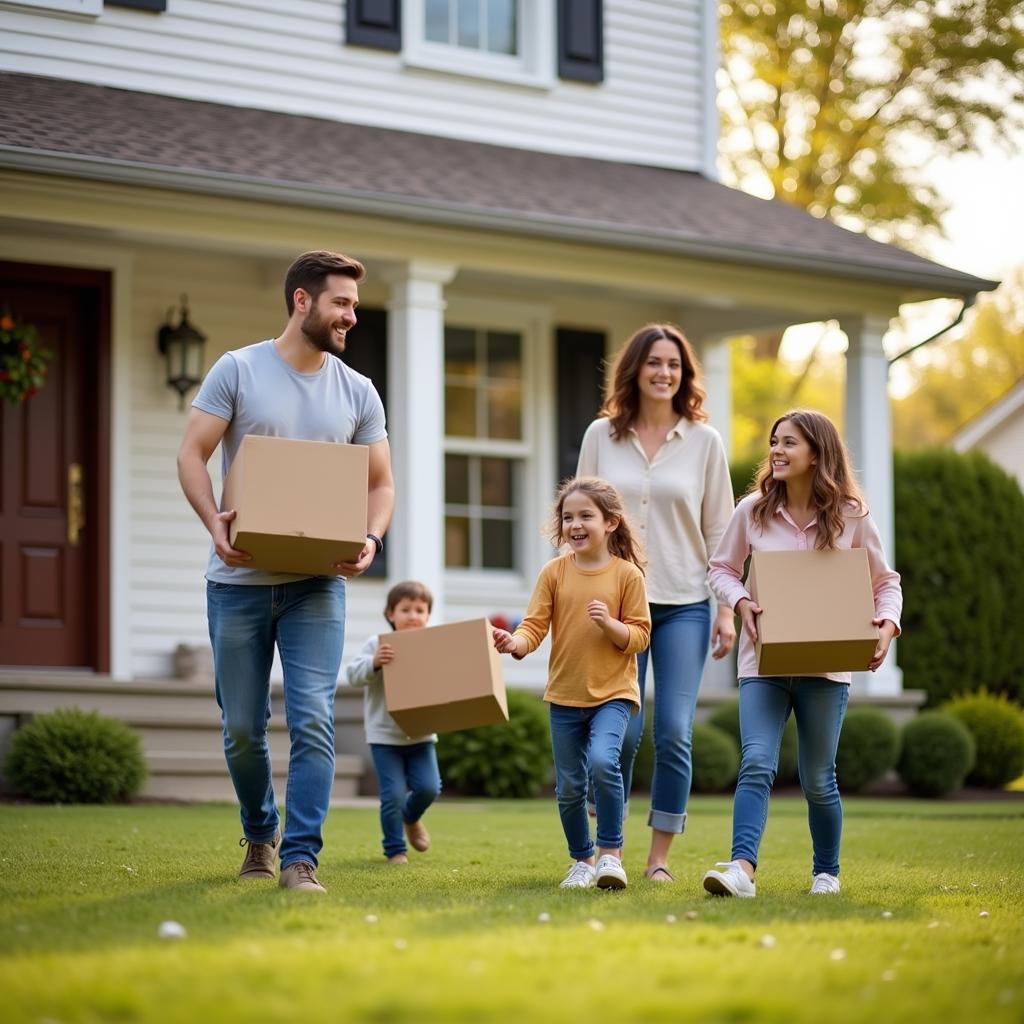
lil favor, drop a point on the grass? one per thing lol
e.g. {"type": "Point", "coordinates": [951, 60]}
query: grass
{"type": "Point", "coordinates": [456, 936]}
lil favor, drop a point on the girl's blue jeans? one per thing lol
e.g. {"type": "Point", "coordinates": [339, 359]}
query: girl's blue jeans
{"type": "Point", "coordinates": [409, 782]}
{"type": "Point", "coordinates": [589, 740]}
{"type": "Point", "coordinates": [680, 635]}
{"type": "Point", "coordinates": [765, 705]}
{"type": "Point", "coordinates": [306, 621]}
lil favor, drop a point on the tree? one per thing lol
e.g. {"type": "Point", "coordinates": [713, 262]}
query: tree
{"type": "Point", "coordinates": [835, 105]}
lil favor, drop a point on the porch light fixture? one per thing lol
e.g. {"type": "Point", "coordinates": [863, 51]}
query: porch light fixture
{"type": "Point", "coordinates": [182, 347]}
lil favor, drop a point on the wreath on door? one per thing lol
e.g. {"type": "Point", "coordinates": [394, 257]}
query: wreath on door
{"type": "Point", "coordinates": [23, 362]}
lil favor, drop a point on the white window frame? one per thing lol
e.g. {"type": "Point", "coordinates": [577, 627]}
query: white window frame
{"type": "Point", "coordinates": [533, 65]}
{"type": "Point", "coordinates": [535, 449]}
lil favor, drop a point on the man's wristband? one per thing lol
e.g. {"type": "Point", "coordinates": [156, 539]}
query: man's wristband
{"type": "Point", "coordinates": [377, 542]}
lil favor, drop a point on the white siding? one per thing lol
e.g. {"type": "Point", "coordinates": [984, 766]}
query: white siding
{"type": "Point", "coordinates": [292, 58]}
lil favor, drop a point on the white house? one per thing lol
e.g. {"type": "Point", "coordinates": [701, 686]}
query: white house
{"type": "Point", "coordinates": [527, 181]}
{"type": "Point", "coordinates": [998, 431]}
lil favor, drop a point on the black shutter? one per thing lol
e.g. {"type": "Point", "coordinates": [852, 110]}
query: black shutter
{"type": "Point", "coordinates": [156, 6]}
{"type": "Point", "coordinates": [376, 23]}
{"type": "Point", "coordinates": [579, 389]}
{"type": "Point", "coordinates": [581, 40]}
{"type": "Point", "coordinates": [366, 351]}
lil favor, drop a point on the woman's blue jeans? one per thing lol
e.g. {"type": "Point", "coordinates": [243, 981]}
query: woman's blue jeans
{"type": "Point", "coordinates": [680, 635]}
{"type": "Point", "coordinates": [589, 740]}
{"type": "Point", "coordinates": [409, 782]}
{"type": "Point", "coordinates": [765, 705]}
{"type": "Point", "coordinates": [306, 621]}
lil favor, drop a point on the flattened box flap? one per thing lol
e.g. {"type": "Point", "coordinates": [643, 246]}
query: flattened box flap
{"type": "Point", "coordinates": [444, 678]}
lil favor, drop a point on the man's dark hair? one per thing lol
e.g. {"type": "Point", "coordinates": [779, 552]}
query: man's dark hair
{"type": "Point", "coordinates": [311, 270]}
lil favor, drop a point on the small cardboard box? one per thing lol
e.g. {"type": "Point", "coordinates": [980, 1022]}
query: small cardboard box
{"type": "Point", "coordinates": [817, 611]}
{"type": "Point", "coordinates": [444, 678]}
{"type": "Point", "coordinates": [300, 505]}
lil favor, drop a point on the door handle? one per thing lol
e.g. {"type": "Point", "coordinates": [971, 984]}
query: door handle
{"type": "Point", "coordinates": [76, 502]}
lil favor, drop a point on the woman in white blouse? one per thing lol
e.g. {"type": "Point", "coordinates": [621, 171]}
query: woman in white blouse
{"type": "Point", "coordinates": [652, 443]}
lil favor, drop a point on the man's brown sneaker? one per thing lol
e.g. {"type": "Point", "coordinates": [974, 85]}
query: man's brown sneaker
{"type": "Point", "coordinates": [259, 858]}
{"type": "Point", "coordinates": [300, 876]}
{"type": "Point", "coordinates": [418, 836]}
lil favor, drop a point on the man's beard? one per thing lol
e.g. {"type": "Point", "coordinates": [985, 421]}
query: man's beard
{"type": "Point", "coordinates": [317, 330]}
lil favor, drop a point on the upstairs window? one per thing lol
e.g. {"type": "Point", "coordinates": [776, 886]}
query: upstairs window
{"type": "Point", "coordinates": [488, 26]}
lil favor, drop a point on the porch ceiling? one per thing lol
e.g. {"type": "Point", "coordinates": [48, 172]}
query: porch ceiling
{"type": "Point", "coordinates": [95, 132]}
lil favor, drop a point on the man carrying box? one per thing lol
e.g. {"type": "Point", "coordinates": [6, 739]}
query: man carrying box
{"type": "Point", "coordinates": [292, 386]}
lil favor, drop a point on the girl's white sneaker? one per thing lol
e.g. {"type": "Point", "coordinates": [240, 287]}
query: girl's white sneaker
{"type": "Point", "coordinates": [824, 884]}
{"type": "Point", "coordinates": [732, 881]}
{"type": "Point", "coordinates": [610, 872]}
{"type": "Point", "coordinates": [580, 876]}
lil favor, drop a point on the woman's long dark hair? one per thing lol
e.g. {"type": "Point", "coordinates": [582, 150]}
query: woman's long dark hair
{"type": "Point", "coordinates": [606, 497]}
{"type": "Point", "coordinates": [622, 396]}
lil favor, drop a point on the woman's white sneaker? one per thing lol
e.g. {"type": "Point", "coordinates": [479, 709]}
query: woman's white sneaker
{"type": "Point", "coordinates": [824, 884]}
{"type": "Point", "coordinates": [610, 872]}
{"type": "Point", "coordinates": [580, 876]}
{"type": "Point", "coordinates": [732, 881]}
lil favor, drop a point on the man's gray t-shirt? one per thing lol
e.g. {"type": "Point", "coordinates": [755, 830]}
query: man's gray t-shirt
{"type": "Point", "coordinates": [257, 392]}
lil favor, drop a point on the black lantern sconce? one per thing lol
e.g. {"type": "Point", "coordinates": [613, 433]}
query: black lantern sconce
{"type": "Point", "coordinates": [182, 347]}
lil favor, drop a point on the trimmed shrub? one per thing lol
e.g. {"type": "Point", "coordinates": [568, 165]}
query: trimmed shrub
{"type": "Point", "coordinates": [643, 766]}
{"type": "Point", "coordinates": [512, 760]}
{"type": "Point", "coordinates": [742, 473]}
{"type": "Point", "coordinates": [869, 746]}
{"type": "Point", "coordinates": [997, 727]}
{"type": "Point", "coordinates": [937, 754]}
{"type": "Point", "coordinates": [963, 574]}
{"type": "Point", "coordinates": [716, 759]}
{"type": "Point", "coordinates": [71, 756]}
{"type": "Point", "coordinates": [727, 718]}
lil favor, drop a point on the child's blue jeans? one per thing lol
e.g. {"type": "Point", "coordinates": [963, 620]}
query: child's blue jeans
{"type": "Point", "coordinates": [410, 782]}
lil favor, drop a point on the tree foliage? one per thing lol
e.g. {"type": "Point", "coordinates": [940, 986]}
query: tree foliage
{"type": "Point", "coordinates": [835, 105]}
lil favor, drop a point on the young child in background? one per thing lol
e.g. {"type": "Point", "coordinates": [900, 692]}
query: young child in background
{"type": "Point", "coordinates": [406, 766]}
{"type": "Point", "coordinates": [805, 497]}
{"type": "Point", "coordinates": [594, 602]}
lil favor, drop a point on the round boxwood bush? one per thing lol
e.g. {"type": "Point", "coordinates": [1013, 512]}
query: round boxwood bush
{"type": "Point", "coordinates": [727, 718]}
{"type": "Point", "coordinates": [962, 574]}
{"type": "Point", "coordinates": [869, 746]}
{"type": "Point", "coordinates": [716, 759]}
{"type": "Point", "coordinates": [937, 753]}
{"type": "Point", "coordinates": [997, 726]}
{"type": "Point", "coordinates": [72, 756]}
{"type": "Point", "coordinates": [512, 760]}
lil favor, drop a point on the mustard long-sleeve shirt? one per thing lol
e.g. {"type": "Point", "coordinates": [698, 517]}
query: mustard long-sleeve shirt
{"type": "Point", "coordinates": [586, 668]}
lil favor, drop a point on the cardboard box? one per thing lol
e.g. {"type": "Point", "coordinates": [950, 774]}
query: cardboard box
{"type": "Point", "coordinates": [301, 505]}
{"type": "Point", "coordinates": [444, 678]}
{"type": "Point", "coordinates": [818, 607]}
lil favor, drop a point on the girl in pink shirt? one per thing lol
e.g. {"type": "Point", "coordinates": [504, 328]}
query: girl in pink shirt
{"type": "Point", "coordinates": [805, 497]}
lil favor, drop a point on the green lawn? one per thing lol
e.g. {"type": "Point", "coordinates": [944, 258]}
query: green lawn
{"type": "Point", "coordinates": [929, 925]}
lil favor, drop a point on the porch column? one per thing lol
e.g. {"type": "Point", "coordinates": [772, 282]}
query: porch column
{"type": "Point", "coordinates": [869, 438]}
{"type": "Point", "coordinates": [416, 423]}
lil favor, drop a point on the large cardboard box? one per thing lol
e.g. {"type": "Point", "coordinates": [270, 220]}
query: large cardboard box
{"type": "Point", "coordinates": [817, 611]}
{"type": "Point", "coordinates": [444, 678]}
{"type": "Point", "coordinates": [301, 505]}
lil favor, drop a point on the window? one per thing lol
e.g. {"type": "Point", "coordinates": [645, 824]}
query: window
{"type": "Point", "coordinates": [487, 25]}
{"type": "Point", "coordinates": [485, 453]}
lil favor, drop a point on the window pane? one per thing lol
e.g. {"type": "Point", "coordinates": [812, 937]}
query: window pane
{"type": "Point", "coordinates": [456, 541]}
{"type": "Point", "coordinates": [460, 353]}
{"type": "Point", "coordinates": [504, 355]}
{"type": "Point", "coordinates": [469, 23]}
{"type": "Point", "coordinates": [496, 483]}
{"type": "Point", "coordinates": [497, 541]}
{"type": "Point", "coordinates": [436, 16]}
{"type": "Point", "coordinates": [460, 412]}
{"type": "Point", "coordinates": [501, 26]}
{"type": "Point", "coordinates": [456, 480]}
{"type": "Point", "coordinates": [504, 419]}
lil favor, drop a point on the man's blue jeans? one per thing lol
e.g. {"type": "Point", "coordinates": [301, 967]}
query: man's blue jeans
{"type": "Point", "coordinates": [765, 705]}
{"type": "Point", "coordinates": [409, 782]}
{"type": "Point", "coordinates": [306, 620]}
{"type": "Point", "coordinates": [680, 635]}
{"type": "Point", "coordinates": [585, 739]}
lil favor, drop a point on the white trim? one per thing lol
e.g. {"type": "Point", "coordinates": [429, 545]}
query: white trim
{"type": "Point", "coordinates": [710, 57]}
{"type": "Point", "coordinates": [989, 420]}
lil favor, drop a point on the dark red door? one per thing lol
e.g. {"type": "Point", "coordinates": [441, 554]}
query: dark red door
{"type": "Point", "coordinates": [53, 534]}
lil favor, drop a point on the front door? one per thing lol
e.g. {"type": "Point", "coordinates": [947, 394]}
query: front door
{"type": "Point", "coordinates": [53, 507]}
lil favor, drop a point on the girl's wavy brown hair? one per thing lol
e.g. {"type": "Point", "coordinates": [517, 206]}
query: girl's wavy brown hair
{"type": "Point", "coordinates": [604, 495]}
{"type": "Point", "coordinates": [834, 488]}
{"type": "Point", "coordinates": [622, 396]}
